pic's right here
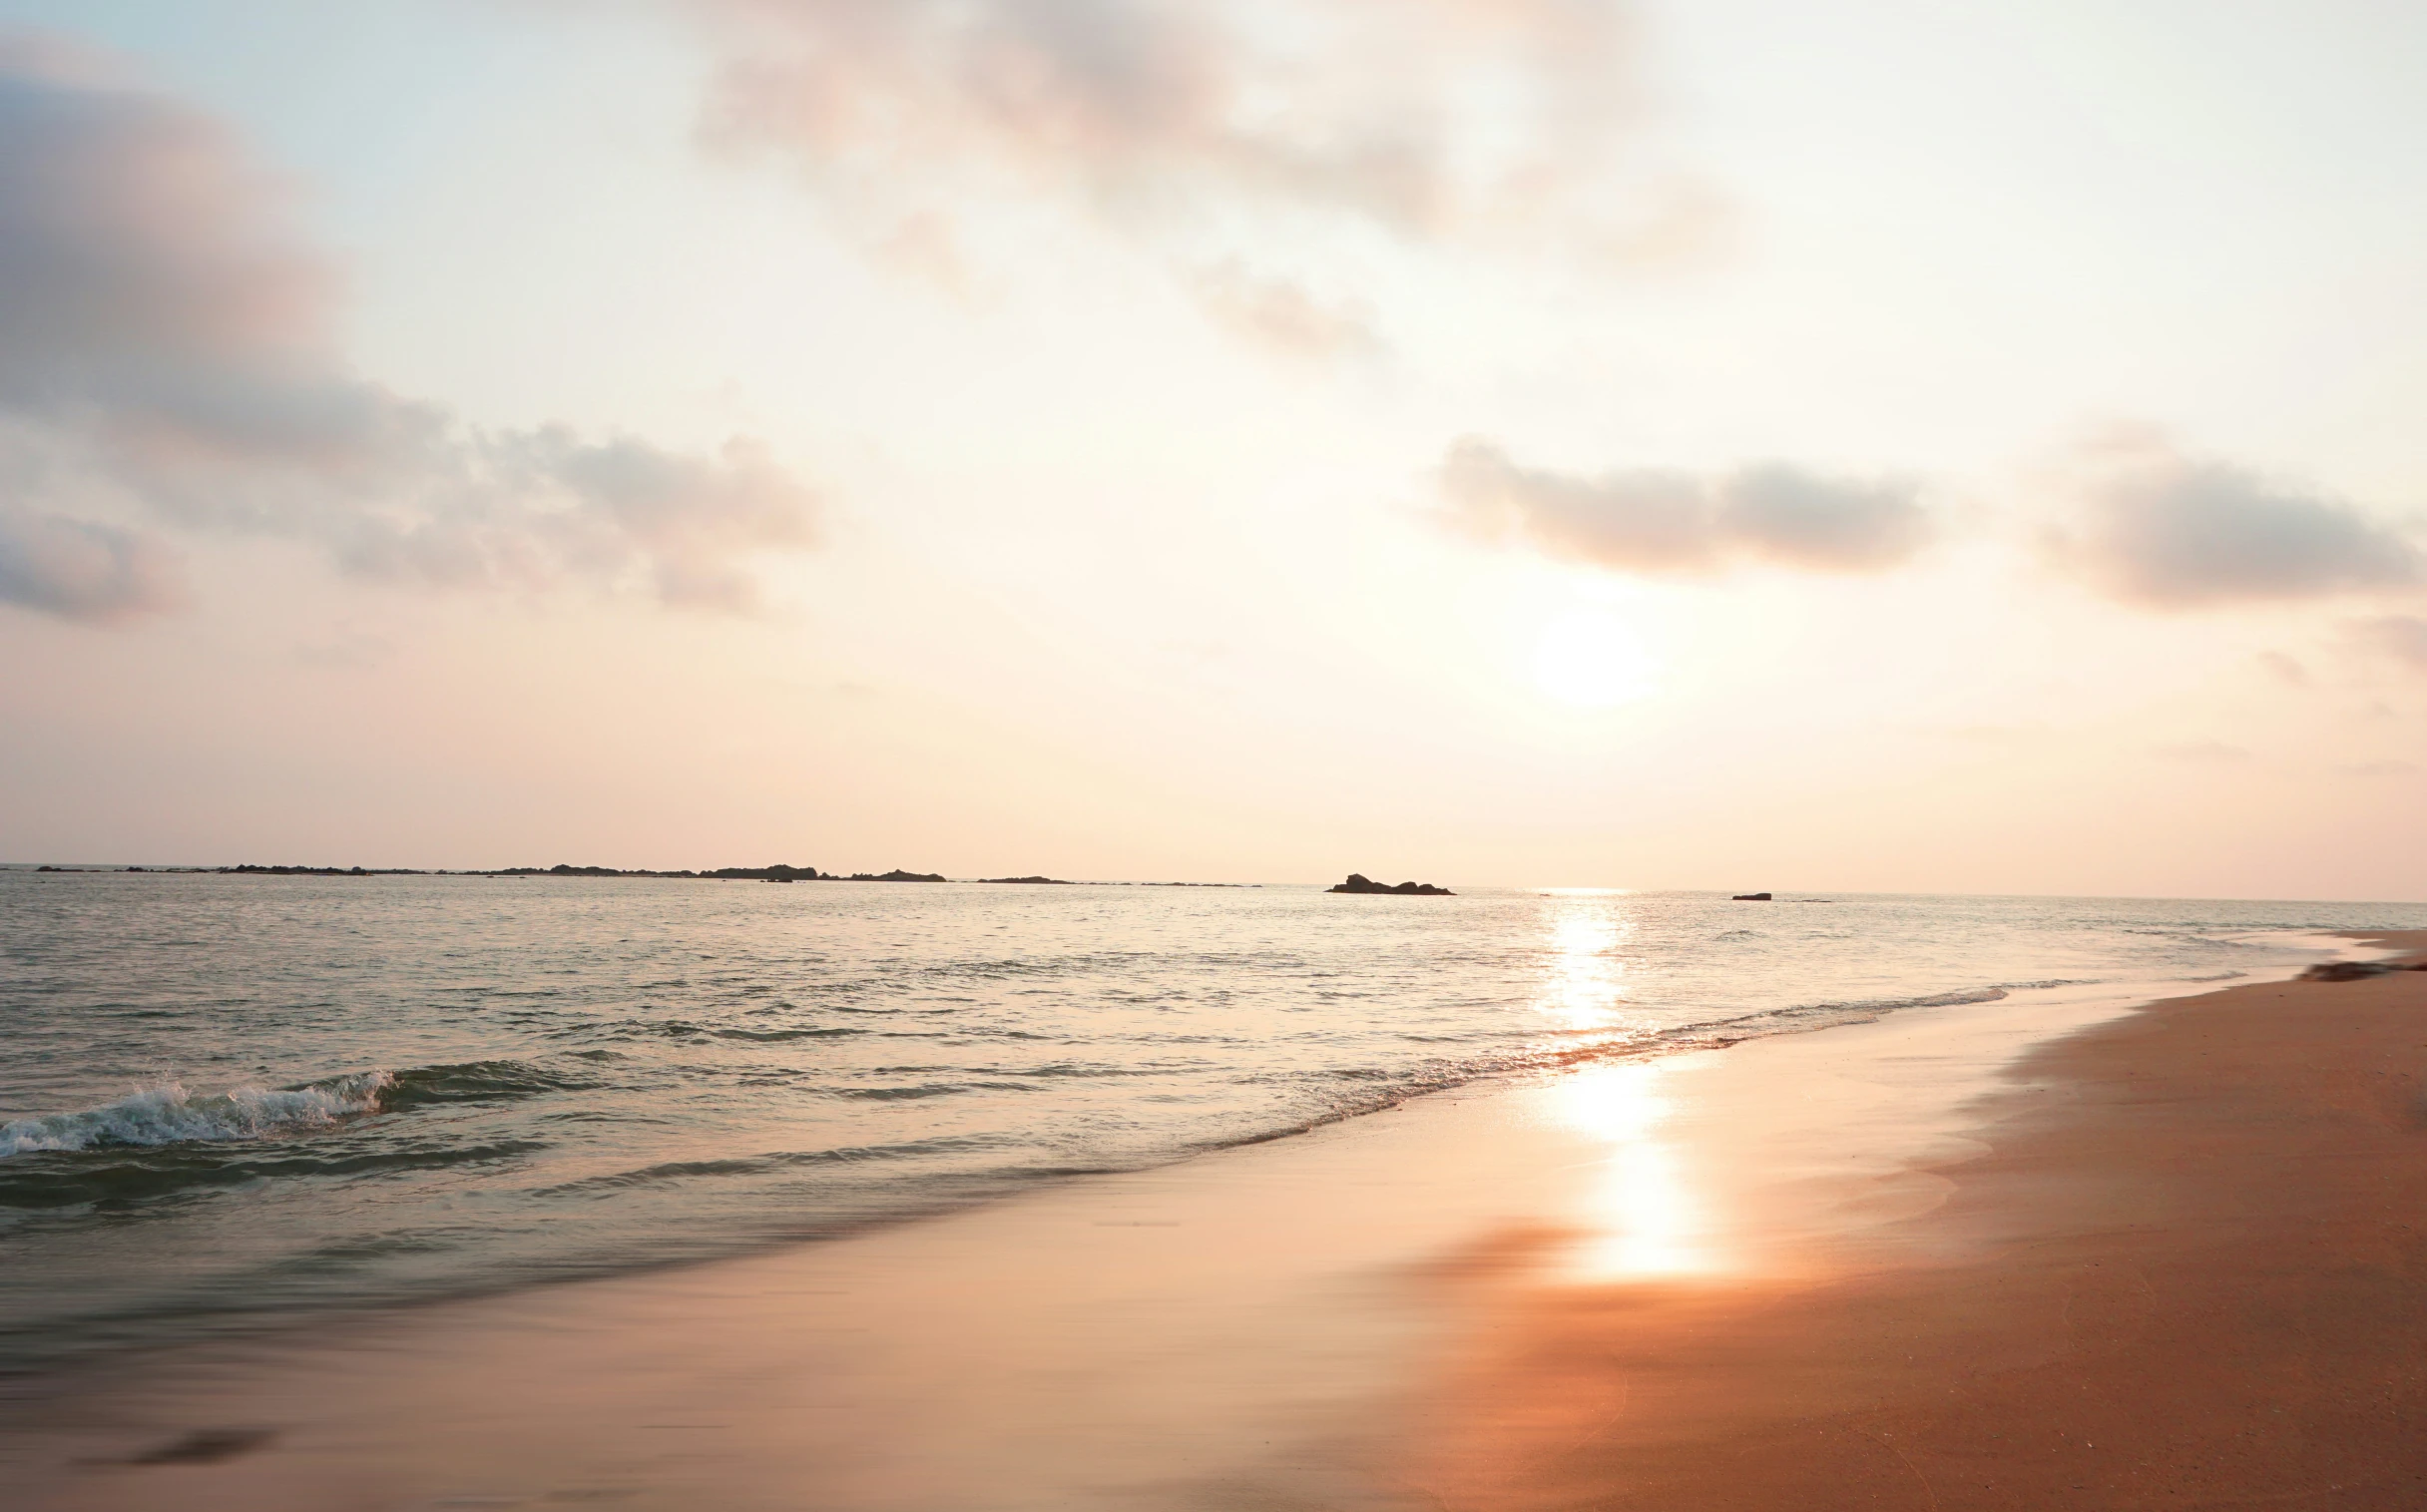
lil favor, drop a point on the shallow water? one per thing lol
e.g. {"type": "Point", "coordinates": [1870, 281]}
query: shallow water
{"type": "Point", "coordinates": [230, 1099]}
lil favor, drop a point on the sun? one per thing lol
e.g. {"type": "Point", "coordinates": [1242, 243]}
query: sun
{"type": "Point", "coordinates": [1590, 658]}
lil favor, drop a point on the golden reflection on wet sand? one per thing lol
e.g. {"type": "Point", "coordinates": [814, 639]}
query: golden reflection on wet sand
{"type": "Point", "coordinates": [1639, 1210]}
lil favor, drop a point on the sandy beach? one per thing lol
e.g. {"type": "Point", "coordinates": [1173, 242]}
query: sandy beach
{"type": "Point", "coordinates": [2030, 1253]}
{"type": "Point", "coordinates": [2185, 1269]}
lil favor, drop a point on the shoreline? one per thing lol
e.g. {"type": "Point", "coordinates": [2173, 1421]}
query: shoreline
{"type": "Point", "coordinates": [1344, 1317]}
{"type": "Point", "coordinates": [268, 1327]}
{"type": "Point", "coordinates": [2190, 1278]}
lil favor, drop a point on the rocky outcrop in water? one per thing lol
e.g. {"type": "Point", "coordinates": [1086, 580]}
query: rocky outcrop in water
{"type": "Point", "coordinates": [774, 873]}
{"type": "Point", "coordinates": [1359, 883]}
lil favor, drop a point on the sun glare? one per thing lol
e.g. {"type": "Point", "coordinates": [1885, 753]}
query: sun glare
{"type": "Point", "coordinates": [1641, 1217]}
{"type": "Point", "coordinates": [1590, 658]}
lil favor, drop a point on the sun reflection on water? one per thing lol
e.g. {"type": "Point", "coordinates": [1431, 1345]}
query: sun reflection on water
{"type": "Point", "coordinates": [1586, 983]}
{"type": "Point", "coordinates": [1639, 1210]}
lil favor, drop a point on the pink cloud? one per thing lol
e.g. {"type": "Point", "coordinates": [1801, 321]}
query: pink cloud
{"type": "Point", "coordinates": [1511, 124]}
{"type": "Point", "coordinates": [166, 336]}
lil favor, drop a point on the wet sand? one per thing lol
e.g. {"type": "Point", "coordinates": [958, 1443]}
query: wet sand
{"type": "Point", "coordinates": [2192, 1273]}
{"type": "Point", "coordinates": [2034, 1253]}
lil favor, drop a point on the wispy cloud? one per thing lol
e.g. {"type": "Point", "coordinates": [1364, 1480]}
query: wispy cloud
{"type": "Point", "coordinates": [1665, 522]}
{"type": "Point", "coordinates": [2385, 769]}
{"type": "Point", "coordinates": [537, 508]}
{"type": "Point", "coordinates": [1515, 124]}
{"type": "Point", "coordinates": [2164, 530]}
{"type": "Point", "coordinates": [1284, 316]}
{"type": "Point", "coordinates": [2401, 637]}
{"type": "Point", "coordinates": [168, 338]}
{"type": "Point", "coordinates": [2285, 669]}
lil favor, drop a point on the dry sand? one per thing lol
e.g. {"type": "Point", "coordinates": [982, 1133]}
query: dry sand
{"type": "Point", "coordinates": [2024, 1255]}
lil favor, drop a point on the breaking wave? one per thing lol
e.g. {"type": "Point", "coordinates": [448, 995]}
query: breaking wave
{"type": "Point", "coordinates": [169, 1115]}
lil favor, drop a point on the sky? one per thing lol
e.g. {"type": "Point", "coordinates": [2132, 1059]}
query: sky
{"type": "Point", "coordinates": [1740, 445]}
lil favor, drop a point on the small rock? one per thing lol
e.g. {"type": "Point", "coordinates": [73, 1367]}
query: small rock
{"type": "Point", "coordinates": [205, 1446]}
{"type": "Point", "coordinates": [2347, 971]}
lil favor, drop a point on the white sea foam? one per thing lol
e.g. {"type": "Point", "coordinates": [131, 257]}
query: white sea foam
{"type": "Point", "coordinates": [167, 1115]}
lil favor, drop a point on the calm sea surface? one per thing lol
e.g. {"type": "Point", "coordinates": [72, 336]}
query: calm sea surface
{"type": "Point", "coordinates": [230, 1099]}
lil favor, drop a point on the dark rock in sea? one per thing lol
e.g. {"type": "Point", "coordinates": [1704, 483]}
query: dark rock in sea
{"type": "Point", "coordinates": [2348, 972]}
{"type": "Point", "coordinates": [1359, 883]}
{"type": "Point", "coordinates": [1753, 897]}
{"type": "Point", "coordinates": [1039, 882]}
{"type": "Point", "coordinates": [897, 877]}
{"type": "Point", "coordinates": [774, 873]}
{"type": "Point", "coordinates": [250, 869]}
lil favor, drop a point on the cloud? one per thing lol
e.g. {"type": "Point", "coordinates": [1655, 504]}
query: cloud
{"type": "Point", "coordinates": [530, 509]}
{"type": "Point", "coordinates": [1511, 123]}
{"type": "Point", "coordinates": [2164, 530]}
{"type": "Point", "coordinates": [1283, 315]}
{"type": "Point", "coordinates": [167, 338]}
{"type": "Point", "coordinates": [2401, 637]}
{"type": "Point", "coordinates": [2285, 669]}
{"type": "Point", "coordinates": [2389, 768]}
{"type": "Point", "coordinates": [1663, 522]}
{"type": "Point", "coordinates": [1338, 105]}
{"type": "Point", "coordinates": [93, 573]}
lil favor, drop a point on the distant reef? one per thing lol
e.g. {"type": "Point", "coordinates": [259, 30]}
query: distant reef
{"type": "Point", "coordinates": [166, 869]}
{"type": "Point", "coordinates": [779, 872]}
{"type": "Point", "coordinates": [1182, 884]}
{"type": "Point", "coordinates": [1359, 883]}
{"type": "Point", "coordinates": [304, 870]}
{"type": "Point", "coordinates": [775, 873]}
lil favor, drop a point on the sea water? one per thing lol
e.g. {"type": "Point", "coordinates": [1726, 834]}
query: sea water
{"type": "Point", "coordinates": [245, 1102]}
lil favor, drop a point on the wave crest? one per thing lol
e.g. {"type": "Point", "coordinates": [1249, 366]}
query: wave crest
{"type": "Point", "coordinates": [168, 1115]}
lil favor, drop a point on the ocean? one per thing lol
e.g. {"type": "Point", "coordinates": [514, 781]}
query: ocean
{"type": "Point", "coordinates": [234, 1102]}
